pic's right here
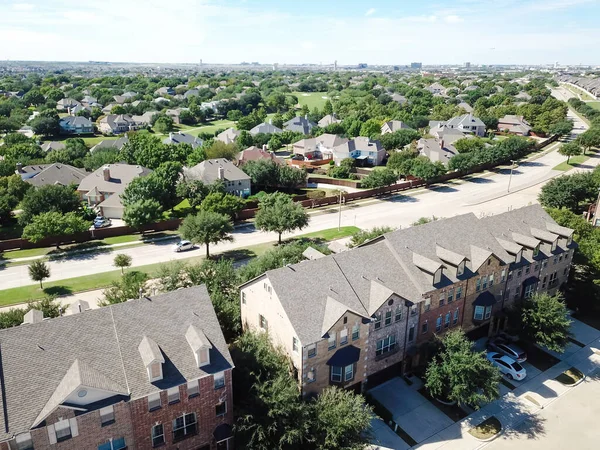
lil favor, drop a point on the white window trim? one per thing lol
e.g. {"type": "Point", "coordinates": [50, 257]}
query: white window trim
{"type": "Point", "coordinates": [219, 376]}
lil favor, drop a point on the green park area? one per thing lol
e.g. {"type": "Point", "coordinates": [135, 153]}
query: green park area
{"type": "Point", "coordinates": [311, 99]}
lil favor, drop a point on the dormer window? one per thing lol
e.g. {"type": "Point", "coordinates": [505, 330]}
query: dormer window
{"type": "Point", "coordinates": [199, 344]}
{"type": "Point", "coordinates": [437, 276]}
{"type": "Point", "coordinates": [569, 240]}
{"type": "Point", "coordinates": [518, 256]}
{"type": "Point", "coordinates": [536, 250]}
{"type": "Point", "coordinates": [152, 358]}
{"type": "Point", "coordinates": [460, 269]}
{"type": "Point", "coordinates": [554, 246]}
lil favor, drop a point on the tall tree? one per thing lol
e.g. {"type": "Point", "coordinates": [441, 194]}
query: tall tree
{"type": "Point", "coordinates": [545, 321]}
{"type": "Point", "coordinates": [121, 261]}
{"type": "Point", "coordinates": [39, 271]}
{"type": "Point", "coordinates": [206, 227]}
{"type": "Point", "coordinates": [277, 212]}
{"type": "Point", "coordinates": [458, 374]}
{"type": "Point", "coordinates": [222, 203]}
{"type": "Point", "coordinates": [142, 212]}
{"type": "Point", "coordinates": [570, 149]}
{"type": "Point", "coordinates": [54, 225]}
{"type": "Point", "coordinates": [589, 139]}
{"type": "Point", "coordinates": [54, 197]}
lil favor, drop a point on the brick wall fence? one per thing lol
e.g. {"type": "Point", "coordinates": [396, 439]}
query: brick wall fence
{"type": "Point", "coordinates": [250, 212]}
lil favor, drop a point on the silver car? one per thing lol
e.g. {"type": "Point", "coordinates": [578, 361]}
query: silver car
{"type": "Point", "coordinates": [508, 348]}
{"type": "Point", "coordinates": [182, 246]}
{"type": "Point", "coordinates": [508, 366]}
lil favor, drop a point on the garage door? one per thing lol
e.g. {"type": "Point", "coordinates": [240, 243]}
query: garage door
{"type": "Point", "coordinates": [112, 212]}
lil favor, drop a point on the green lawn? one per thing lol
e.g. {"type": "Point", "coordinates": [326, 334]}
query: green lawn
{"type": "Point", "coordinates": [101, 280]}
{"type": "Point", "coordinates": [211, 127]}
{"type": "Point", "coordinates": [574, 90]}
{"type": "Point", "coordinates": [595, 105]}
{"type": "Point", "coordinates": [574, 162]}
{"type": "Point", "coordinates": [311, 99]}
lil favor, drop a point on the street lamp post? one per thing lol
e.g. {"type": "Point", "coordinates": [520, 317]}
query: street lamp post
{"type": "Point", "coordinates": [340, 213]}
{"type": "Point", "coordinates": [512, 166]}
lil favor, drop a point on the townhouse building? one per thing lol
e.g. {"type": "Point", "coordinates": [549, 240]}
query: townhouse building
{"type": "Point", "coordinates": [151, 372]}
{"type": "Point", "coordinates": [357, 318]}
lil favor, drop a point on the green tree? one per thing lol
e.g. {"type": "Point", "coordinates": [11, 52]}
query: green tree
{"type": "Point", "coordinates": [379, 178]}
{"type": "Point", "coordinates": [142, 212]}
{"type": "Point", "coordinates": [277, 212]}
{"type": "Point", "coordinates": [545, 321]}
{"type": "Point", "coordinates": [588, 139]}
{"type": "Point", "coordinates": [99, 158]}
{"type": "Point", "coordinates": [130, 286]}
{"type": "Point", "coordinates": [362, 236]}
{"type": "Point", "coordinates": [466, 145]}
{"type": "Point", "coordinates": [398, 139]}
{"type": "Point", "coordinates": [244, 140]}
{"type": "Point", "coordinates": [34, 97]}
{"type": "Point", "coordinates": [222, 203]}
{"type": "Point", "coordinates": [121, 261]}
{"type": "Point", "coordinates": [289, 177]}
{"type": "Point", "coordinates": [570, 149]}
{"type": "Point", "coordinates": [163, 124]}
{"type": "Point", "coordinates": [341, 420]}
{"type": "Point", "coordinates": [218, 149]}
{"type": "Point", "coordinates": [39, 271]}
{"type": "Point", "coordinates": [426, 170]}
{"type": "Point", "coordinates": [371, 128]}
{"type": "Point", "coordinates": [54, 225]}
{"type": "Point", "coordinates": [327, 107]}
{"type": "Point", "coordinates": [569, 191]}
{"type": "Point", "coordinates": [206, 227]}
{"type": "Point", "coordinates": [54, 197]}
{"type": "Point", "coordinates": [194, 191]}
{"type": "Point", "coordinates": [45, 126]}
{"type": "Point", "coordinates": [562, 128]}
{"type": "Point", "coordinates": [263, 173]}
{"type": "Point", "coordinates": [459, 374]}
{"type": "Point", "coordinates": [234, 115]}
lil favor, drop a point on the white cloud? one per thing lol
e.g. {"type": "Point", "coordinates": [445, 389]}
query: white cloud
{"type": "Point", "coordinates": [453, 19]}
{"type": "Point", "coordinates": [370, 12]}
{"type": "Point", "coordinates": [22, 6]}
{"type": "Point", "coordinates": [546, 5]}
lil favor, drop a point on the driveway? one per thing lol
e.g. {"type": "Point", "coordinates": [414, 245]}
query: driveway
{"type": "Point", "coordinates": [410, 410]}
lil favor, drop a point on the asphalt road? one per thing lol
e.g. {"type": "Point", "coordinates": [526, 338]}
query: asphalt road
{"type": "Point", "coordinates": [481, 195]}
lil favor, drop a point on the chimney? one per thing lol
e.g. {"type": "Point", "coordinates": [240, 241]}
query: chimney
{"type": "Point", "coordinates": [33, 316]}
{"type": "Point", "coordinates": [79, 306]}
{"type": "Point", "coordinates": [106, 173]}
{"type": "Point", "coordinates": [19, 167]}
{"type": "Point", "coordinates": [221, 173]}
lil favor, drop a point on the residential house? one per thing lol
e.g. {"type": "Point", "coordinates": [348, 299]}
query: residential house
{"type": "Point", "coordinates": [436, 89]}
{"type": "Point", "coordinates": [79, 108]}
{"type": "Point", "coordinates": [47, 174]}
{"type": "Point", "coordinates": [158, 100]}
{"type": "Point", "coordinates": [393, 125]}
{"type": "Point", "coordinates": [174, 114]}
{"type": "Point", "coordinates": [183, 138]}
{"type": "Point", "coordinates": [228, 136]}
{"type": "Point", "coordinates": [113, 144]}
{"type": "Point", "coordinates": [120, 99]}
{"type": "Point", "coordinates": [118, 124]}
{"type": "Point", "coordinates": [191, 93]}
{"type": "Point", "coordinates": [357, 318]}
{"type": "Point", "coordinates": [102, 188]}
{"type": "Point", "coordinates": [328, 120]}
{"type": "Point", "coordinates": [256, 154]}
{"type": "Point", "coordinates": [466, 107]}
{"type": "Point", "coordinates": [165, 91]}
{"type": "Point", "coordinates": [140, 374]}
{"type": "Point", "coordinates": [214, 106]}
{"type": "Point", "coordinates": [144, 120]}
{"type": "Point", "coordinates": [108, 108]}
{"type": "Point", "coordinates": [129, 95]}
{"type": "Point", "coordinates": [64, 104]}
{"type": "Point", "coordinates": [222, 170]}
{"type": "Point", "coordinates": [441, 146]}
{"type": "Point", "coordinates": [320, 147]}
{"type": "Point", "coordinates": [467, 123]}
{"type": "Point", "coordinates": [514, 125]}
{"type": "Point", "coordinates": [400, 99]}
{"type": "Point", "coordinates": [76, 125]}
{"type": "Point", "coordinates": [52, 145]}
{"type": "Point", "coordinates": [363, 149]}
{"type": "Point", "coordinates": [300, 124]}
{"type": "Point", "coordinates": [523, 96]}
{"type": "Point", "coordinates": [266, 128]}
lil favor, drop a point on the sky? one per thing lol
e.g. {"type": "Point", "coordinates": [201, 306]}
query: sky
{"type": "Point", "coordinates": [309, 31]}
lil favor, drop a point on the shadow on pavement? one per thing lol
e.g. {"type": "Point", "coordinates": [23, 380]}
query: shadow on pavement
{"type": "Point", "coordinates": [527, 424]}
{"type": "Point", "coordinates": [479, 180]}
{"type": "Point", "coordinates": [401, 199]}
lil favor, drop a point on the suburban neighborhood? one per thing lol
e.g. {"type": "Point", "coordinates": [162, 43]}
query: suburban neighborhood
{"type": "Point", "coordinates": [299, 250]}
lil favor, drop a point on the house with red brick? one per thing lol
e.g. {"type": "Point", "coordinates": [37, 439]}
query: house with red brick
{"type": "Point", "coordinates": [150, 372]}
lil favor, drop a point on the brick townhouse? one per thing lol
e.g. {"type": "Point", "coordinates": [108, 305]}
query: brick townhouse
{"type": "Point", "coordinates": [151, 372]}
{"type": "Point", "coordinates": [356, 318]}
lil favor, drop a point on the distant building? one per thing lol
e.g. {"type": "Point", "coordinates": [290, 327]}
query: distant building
{"type": "Point", "coordinates": [76, 125]}
{"type": "Point", "coordinates": [362, 149]}
{"type": "Point", "coordinates": [516, 125]}
{"type": "Point", "coordinates": [467, 123]}
{"type": "Point", "coordinates": [467, 65]}
{"type": "Point", "coordinates": [416, 65]}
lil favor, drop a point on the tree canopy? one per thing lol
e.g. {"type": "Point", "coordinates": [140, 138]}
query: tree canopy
{"type": "Point", "coordinates": [277, 212]}
{"type": "Point", "coordinates": [206, 227]}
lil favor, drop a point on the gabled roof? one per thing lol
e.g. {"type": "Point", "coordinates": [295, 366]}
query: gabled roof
{"type": "Point", "coordinates": [208, 171]}
{"type": "Point", "coordinates": [333, 311]}
{"type": "Point", "coordinates": [43, 362]}
{"type": "Point", "coordinates": [266, 128]}
{"type": "Point", "coordinates": [196, 338]}
{"type": "Point", "coordinates": [150, 351]}
{"type": "Point", "coordinates": [57, 173]}
{"type": "Point", "coordinates": [425, 263]}
{"type": "Point", "coordinates": [449, 256]}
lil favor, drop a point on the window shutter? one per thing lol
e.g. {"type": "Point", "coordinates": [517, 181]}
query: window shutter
{"type": "Point", "coordinates": [51, 434]}
{"type": "Point", "coordinates": [73, 424]}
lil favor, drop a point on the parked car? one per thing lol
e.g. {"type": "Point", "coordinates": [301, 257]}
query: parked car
{"type": "Point", "coordinates": [183, 246]}
{"type": "Point", "coordinates": [102, 222]}
{"type": "Point", "coordinates": [508, 366]}
{"type": "Point", "coordinates": [503, 345]}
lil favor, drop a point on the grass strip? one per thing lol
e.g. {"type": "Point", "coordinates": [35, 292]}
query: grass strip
{"type": "Point", "coordinates": [490, 427]}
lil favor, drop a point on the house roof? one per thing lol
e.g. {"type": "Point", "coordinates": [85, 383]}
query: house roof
{"type": "Point", "coordinates": [299, 124]}
{"type": "Point", "coordinates": [120, 176]}
{"type": "Point", "coordinates": [228, 136]}
{"type": "Point", "coordinates": [74, 121]}
{"type": "Point", "coordinates": [57, 173]}
{"type": "Point", "coordinates": [255, 153]}
{"type": "Point", "coordinates": [359, 143]}
{"type": "Point", "coordinates": [468, 108]}
{"type": "Point", "coordinates": [183, 138]}
{"type": "Point", "coordinates": [99, 348]}
{"type": "Point", "coordinates": [52, 145]}
{"type": "Point", "coordinates": [327, 140]}
{"type": "Point", "coordinates": [465, 119]}
{"type": "Point", "coordinates": [328, 120]}
{"type": "Point", "coordinates": [208, 171]}
{"type": "Point", "coordinates": [111, 143]}
{"type": "Point", "coordinates": [266, 128]}
{"type": "Point", "coordinates": [396, 125]}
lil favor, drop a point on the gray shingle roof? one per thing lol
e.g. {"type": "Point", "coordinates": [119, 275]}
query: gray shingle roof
{"type": "Point", "coordinates": [42, 361]}
{"type": "Point", "coordinates": [57, 173]}
{"type": "Point", "coordinates": [120, 176]}
{"type": "Point", "coordinates": [208, 171]}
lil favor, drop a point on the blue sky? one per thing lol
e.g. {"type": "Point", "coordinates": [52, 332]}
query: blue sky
{"type": "Point", "coordinates": [286, 31]}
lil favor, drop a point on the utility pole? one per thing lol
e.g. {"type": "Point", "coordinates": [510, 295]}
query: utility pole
{"type": "Point", "coordinates": [512, 166]}
{"type": "Point", "coordinates": [340, 213]}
